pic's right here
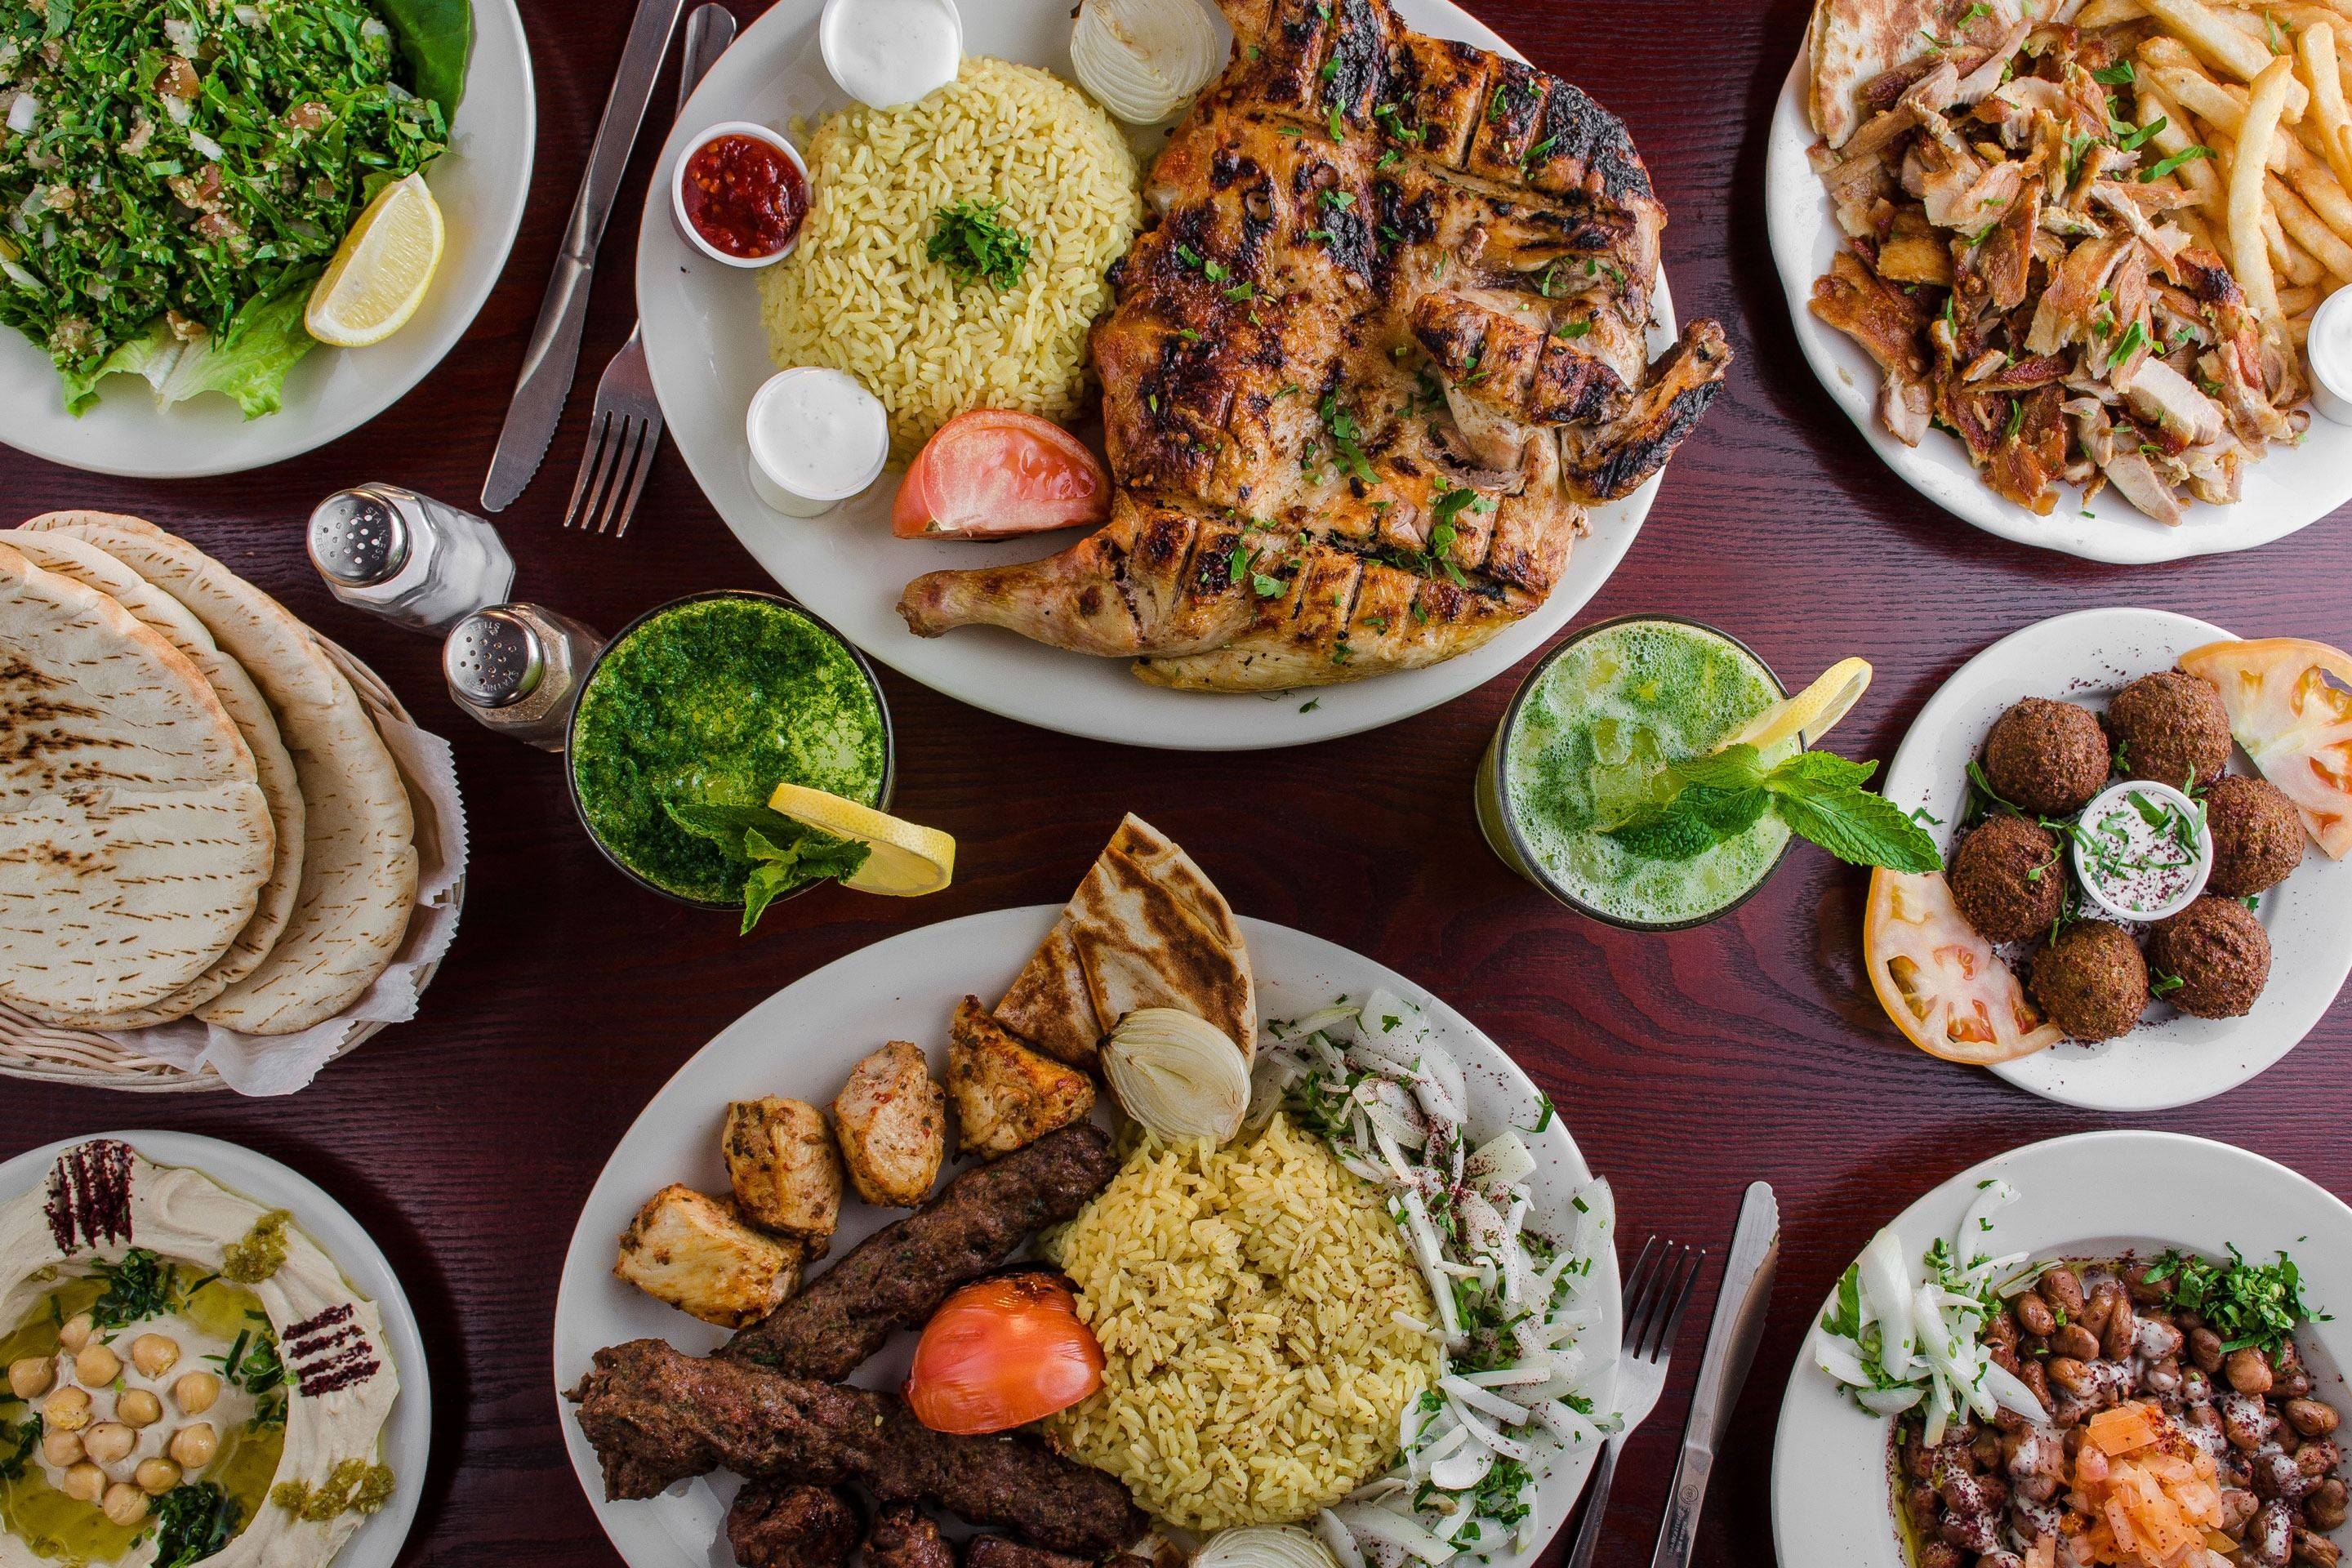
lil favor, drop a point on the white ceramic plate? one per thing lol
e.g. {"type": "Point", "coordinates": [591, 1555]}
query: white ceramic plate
{"type": "Point", "coordinates": [481, 184]}
{"type": "Point", "coordinates": [2096, 1195]}
{"type": "Point", "coordinates": [2290, 488]}
{"type": "Point", "coordinates": [2086, 658]}
{"type": "Point", "coordinates": [408, 1436]}
{"type": "Point", "coordinates": [708, 354]}
{"type": "Point", "coordinates": [802, 1041]}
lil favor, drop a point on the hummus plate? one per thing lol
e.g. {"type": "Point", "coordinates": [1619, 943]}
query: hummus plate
{"type": "Point", "coordinates": [190, 1364]}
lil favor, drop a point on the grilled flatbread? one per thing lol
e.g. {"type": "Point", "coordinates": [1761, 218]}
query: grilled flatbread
{"type": "Point", "coordinates": [359, 866]}
{"type": "Point", "coordinates": [159, 612]}
{"type": "Point", "coordinates": [134, 837]}
{"type": "Point", "coordinates": [1146, 929]}
{"type": "Point", "coordinates": [1855, 41]}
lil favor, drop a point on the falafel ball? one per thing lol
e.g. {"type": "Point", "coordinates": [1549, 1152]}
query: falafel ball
{"type": "Point", "coordinates": [2257, 836]}
{"type": "Point", "coordinates": [2170, 727]}
{"type": "Point", "coordinates": [2221, 955]}
{"type": "Point", "coordinates": [2091, 980]}
{"type": "Point", "coordinates": [2047, 757]}
{"type": "Point", "coordinates": [2007, 880]}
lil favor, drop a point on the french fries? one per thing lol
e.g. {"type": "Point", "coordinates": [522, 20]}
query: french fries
{"type": "Point", "coordinates": [2222, 44]}
{"type": "Point", "coordinates": [2324, 77]}
{"type": "Point", "coordinates": [2177, 78]}
{"type": "Point", "coordinates": [2108, 13]}
{"type": "Point", "coordinates": [2170, 138]}
{"type": "Point", "coordinates": [2249, 166]}
{"type": "Point", "coordinates": [2303, 226]}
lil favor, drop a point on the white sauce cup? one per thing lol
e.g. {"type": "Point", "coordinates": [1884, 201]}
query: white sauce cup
{"type": "Point", "coordinates": [2195, 885]}
{"type": "Point", "coordinates": [817, 438]}
{"type": "Point", "coordinates": [884, 52]}
{"type": "Point", "coordinates": [2329, 352]}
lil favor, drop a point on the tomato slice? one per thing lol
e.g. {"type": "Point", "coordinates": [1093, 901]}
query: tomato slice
{"type": "Point", "coordinates": [992, 475]}
{"type": "Point", "coordinates": [1943, 984]}
{"type": "Point", "coordinates": [1002, 1353]}
{"type": "Point", "coordinates": [2290, 705]}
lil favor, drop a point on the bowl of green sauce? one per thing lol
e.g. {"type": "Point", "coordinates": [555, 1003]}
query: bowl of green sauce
{"type": "Point", "coordinates": [714, 700]}
{"type": "Point", "coordinates": [1584, 748]}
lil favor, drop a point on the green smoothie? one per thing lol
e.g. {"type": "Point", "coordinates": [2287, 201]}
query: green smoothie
{"type": "Point", "coordinates": [713, 701]}
{"type": "Point", "coordinates": [1586, 749]}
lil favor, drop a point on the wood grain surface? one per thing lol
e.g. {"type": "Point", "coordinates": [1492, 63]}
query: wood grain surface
{"type": "Point", "coordinates": [1687, 1066]}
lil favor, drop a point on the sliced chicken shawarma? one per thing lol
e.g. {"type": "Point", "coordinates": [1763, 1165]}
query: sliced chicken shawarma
{"type": "Point", "coordinates": [1382, 343]}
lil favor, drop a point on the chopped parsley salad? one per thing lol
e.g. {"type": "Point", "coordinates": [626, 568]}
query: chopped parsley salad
{"type": "Point", "coordinates": [175, 174]}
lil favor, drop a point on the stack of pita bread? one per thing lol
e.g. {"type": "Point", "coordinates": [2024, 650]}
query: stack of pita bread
{"type": "Point", "coordinates": [198, 816]}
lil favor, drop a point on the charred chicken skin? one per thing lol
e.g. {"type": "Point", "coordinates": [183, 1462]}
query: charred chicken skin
{"type": "Point", "coordinates": [1383, 341]}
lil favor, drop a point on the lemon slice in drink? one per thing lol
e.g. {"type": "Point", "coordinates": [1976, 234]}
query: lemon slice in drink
{"type": "Point", "coordinates": [381, 269]}
{"type": "Point", "coordinates": [904, 859]}
{"type": "Point", "coordinates": [1810, 713]}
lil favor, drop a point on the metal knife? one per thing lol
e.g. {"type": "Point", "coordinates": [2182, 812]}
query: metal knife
{"type": "Point", "coordinates": [554, 355]}
{"type": "Point", "coordinates": [1731, 1340]}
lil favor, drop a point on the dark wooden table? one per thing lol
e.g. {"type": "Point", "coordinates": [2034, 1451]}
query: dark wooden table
{"type": "Point", "coordinates": [1687, 1066]}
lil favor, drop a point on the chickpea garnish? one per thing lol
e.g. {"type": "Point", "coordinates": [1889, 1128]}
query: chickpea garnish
{"type": "Point", "coordinates": [109, 1443]}
{"type": "Point", "coordinates": [30, 1378]}
{"type": "Point", "coordinates": [77, 1331]}
{"type": "Point", "coordinates": [196, 1393]}
{"type": "Point", "coordinates": [62, 1449]}
{"type": "Point", "coordinates": [154, 1354]}
{"type": "Point", "coordinates": [97, 1366]}
{"type": "Point", "coordinates": [125, 1504]}
{"type": "Point", "coordinates": [138, 1408]}
{"type": "Point", "coordinates": [66, 1410]}
{"type": "Point", "coordinates": [156, 1476]}
{"type": "Point", "coordinates": [85, 1482]}
{"type": "Point", "coordinates": [193, 1446]}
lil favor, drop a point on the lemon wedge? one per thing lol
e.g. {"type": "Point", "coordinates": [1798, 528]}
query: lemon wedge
{"type": "Point", "coordinates": [1810, 713]}
{"type": "Point", "coordinates": [381, 269]}
{"type": "Point", "coordinates": [906, 860]}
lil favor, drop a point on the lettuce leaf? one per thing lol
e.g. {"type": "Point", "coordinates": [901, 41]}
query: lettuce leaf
{"type": "Point", "coordinates": [248, 362]}
{"type": "Point", "coordinates": [436, 38]}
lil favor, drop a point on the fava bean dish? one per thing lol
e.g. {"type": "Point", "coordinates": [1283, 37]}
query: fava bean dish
{"type": "Point", "coordinates": [2150, 1410]}
{"type": "Point", "coordinates": [175, 174]}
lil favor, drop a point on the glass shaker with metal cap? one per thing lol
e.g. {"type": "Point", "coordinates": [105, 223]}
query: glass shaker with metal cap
{"type": "Point", "coordinates": [516, 669]}
{"type": "Point", "coordinates": [417, 562]}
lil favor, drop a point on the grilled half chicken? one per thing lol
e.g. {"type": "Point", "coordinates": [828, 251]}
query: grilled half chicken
{"type": "Point", "coordinates": [1383, 342]}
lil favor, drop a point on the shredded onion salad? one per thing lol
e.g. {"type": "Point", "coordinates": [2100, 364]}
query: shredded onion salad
{"type": "Point", "coordinates": [1900, 1337]}
{"type": "Point", "coordinates": [1512, 1304]}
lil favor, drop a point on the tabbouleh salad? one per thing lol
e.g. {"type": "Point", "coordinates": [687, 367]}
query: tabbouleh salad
{"type": "Point", "coordinates": [175, 174]}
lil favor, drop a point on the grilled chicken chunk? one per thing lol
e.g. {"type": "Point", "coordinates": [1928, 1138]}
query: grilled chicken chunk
{"type": "Point", "coordinates": [1384, 342]}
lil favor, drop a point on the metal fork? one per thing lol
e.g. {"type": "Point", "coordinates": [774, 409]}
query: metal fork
{"type": "Point", "coordinates": [624, 430]}
{"type": "Point", "coordinates": [1656, 1291]}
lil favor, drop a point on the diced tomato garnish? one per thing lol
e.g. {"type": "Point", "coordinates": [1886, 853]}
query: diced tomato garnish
{"type": "Point", "coordinates": [992, 475]}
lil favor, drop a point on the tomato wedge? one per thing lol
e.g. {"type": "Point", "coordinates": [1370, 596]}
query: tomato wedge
{"type": "Point", "coordinates": [1945, 987]}
{"type": "Point", "coordinates": [2290, 705]}
{"type": "Point", "coordinates": [992, 475]}
{"type": "Point", "coordinates": [1002, 1353]}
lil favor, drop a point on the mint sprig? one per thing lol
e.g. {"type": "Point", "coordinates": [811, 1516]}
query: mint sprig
{"type": "Point", "coordinates": [1818, 793]}
{"type": "Point", "coordinates": [782, 854]}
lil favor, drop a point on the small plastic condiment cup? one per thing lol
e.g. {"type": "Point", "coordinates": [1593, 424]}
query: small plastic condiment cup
{"type": "Point", "coordinates": [760, 133]}
{"type": "Point", "coordinates": [903, 78]}
{"type": "Point", "coordinates": [2329, 352]}
{"type": "Point", "coordinates": [774, 474]}
{"type": "Point", "coordinates": [2177, 801]}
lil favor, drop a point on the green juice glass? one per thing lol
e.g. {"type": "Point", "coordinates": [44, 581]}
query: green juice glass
{"type": "Point", "coordinates": [1584, 748]}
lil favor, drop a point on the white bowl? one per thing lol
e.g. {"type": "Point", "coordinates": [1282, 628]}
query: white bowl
{"type": "Point", "coordinates": [2179, 802]}
{"type": "Point", "coordinates": [677, 191]}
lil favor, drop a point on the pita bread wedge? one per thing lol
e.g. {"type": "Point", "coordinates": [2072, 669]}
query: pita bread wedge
{"type": "Point", "coordinates": [134, 838]}
{"type": "Point", "coordinates": [93, 568]}
{"type": "Point", "coordinates": [1853, 42]}
{"type": "Point", "coordinates": [1146, 929]}
{"type": "Point", "coordinates": [359, 865]}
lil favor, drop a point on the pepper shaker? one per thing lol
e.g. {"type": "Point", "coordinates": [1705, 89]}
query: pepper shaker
{"type": "Point", "coordinates": [516, 669]}
{"type": "Point", "coordinates": [417, 562]}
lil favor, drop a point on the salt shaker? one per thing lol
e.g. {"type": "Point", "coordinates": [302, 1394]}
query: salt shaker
{"type": "Point", "coordinates": [417, 562]}
{"type": "Point", "coordinates": [516, 669]}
